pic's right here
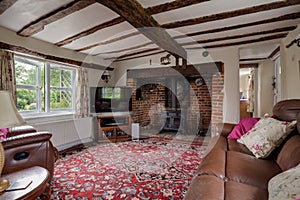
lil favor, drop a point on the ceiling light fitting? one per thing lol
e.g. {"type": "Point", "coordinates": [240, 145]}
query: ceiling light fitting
{"type": "Point", "coordinates": [165, 60]}
{"type": "Point", "coordinates": [105, 76]}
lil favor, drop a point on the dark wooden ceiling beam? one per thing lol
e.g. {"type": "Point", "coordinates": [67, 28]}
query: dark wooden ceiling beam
{"type": "Point", "coordinates": [256, 23]}
{"type": "Point", "coordinates": [151, 10]}
{"type": "Point", "coordinates": [173, 5]}
{"type": "Point", "coordinates": [24, 50]}
{"type": "Point", "coordinates": [91, 30]}
{"type": "Point", "coordinates": [5, 4]}
{"type": "Point", "coordinates": [262, 39]}
{"type": "Point", "coordinates": [286, 17]}
{"type": "Point", "coordinates": [133, 54]}
{"type": "Point", "coordinates": [141, 56]}
{"type": "Point", "coordinates": [274, 52]}
{"type": "Point", "coordinates": [136, 15]}
{"type": "Point", "coordinates": [277, 30]}
{"type": "Point", "coordinates": [109, 41]}
{"type": "Point", "coordinates": [248, 65]}
{"type": "Point", "coordinates": [126, 49]}
{"type": "Point", "coordinates": [271, 37]}
{"type": "Point", "coordinates": [230, 14]}
{"type": "Point", "coordinates": [251, 59]}
{"type": "Point", "coordinates": [39, 24]}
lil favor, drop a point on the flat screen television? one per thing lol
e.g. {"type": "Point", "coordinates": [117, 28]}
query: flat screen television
{"type": "Point", "coordinates": [110, 99]}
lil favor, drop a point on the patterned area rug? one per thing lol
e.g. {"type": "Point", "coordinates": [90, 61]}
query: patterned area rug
{"type": "Point", "coordinates": [147, 169]}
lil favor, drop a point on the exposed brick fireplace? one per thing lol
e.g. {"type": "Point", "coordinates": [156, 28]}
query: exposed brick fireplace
{"type": "Point", "coordinates": [151, 100]}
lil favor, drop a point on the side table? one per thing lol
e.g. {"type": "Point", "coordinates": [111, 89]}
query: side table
{"type": "Point", "coordinates": [39, 177]}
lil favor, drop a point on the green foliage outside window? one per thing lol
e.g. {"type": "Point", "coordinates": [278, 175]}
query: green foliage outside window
{"type": "Point", "coordinates": [27, 92]}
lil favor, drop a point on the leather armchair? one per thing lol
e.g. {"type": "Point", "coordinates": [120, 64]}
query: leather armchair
{"type": "Point", "coordinates": [25, 147]}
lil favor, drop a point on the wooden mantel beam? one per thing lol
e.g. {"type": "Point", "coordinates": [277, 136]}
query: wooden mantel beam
{"type": "Point", "coordinates": [137, 16]}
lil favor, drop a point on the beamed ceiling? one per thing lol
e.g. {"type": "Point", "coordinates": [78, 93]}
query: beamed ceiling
{"type": "Point", "coordinates": [126, 29]}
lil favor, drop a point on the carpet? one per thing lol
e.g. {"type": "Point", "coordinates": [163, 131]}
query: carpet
{"type": "Point", "coordinates": [146, 169]}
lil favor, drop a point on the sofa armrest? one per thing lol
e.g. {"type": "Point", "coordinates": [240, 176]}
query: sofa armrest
{"type": "Point", "coordinates": [24, 139]}
{"type": "Point", "coordinates": [225, 128]}
{"type": "Point", "coordinates": [27, 150]}
{"type": "Point", "coordinates": [18, 130]}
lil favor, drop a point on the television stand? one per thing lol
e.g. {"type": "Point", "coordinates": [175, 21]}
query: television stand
{"type": "Point", "coordinates": [114, 127]}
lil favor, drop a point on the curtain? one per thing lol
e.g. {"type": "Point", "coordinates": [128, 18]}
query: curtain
{"type": "Point", "coordinates": [82, 98]}
{"type": "Point", "coordinates": [251, 92]}
{"type": "Point", "coordinates": [7, 73]}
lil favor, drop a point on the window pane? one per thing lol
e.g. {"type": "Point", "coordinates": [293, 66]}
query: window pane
{"type": "Point", "coordinates": [117, 93]}
{"type": "Point", "coordinates": [60, 77]}
{"type": "Point", "coordinates": [60, 99]}
{"type": "Point", "coordinates": [26, 99]}
{"type": "Point", "coordinates": [25, 74]}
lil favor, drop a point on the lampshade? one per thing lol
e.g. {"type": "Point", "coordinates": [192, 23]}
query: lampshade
{"type": "Point", "coordinates": [9, 115]}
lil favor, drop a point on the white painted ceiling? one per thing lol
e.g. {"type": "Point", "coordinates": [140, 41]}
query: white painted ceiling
{"type": "Point", "coordinates": [24, 12]}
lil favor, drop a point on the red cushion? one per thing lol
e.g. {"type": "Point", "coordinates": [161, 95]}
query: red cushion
{"type": "Point", "coordinates": [242, 127]}
{"type": "Point", "coordinates": [3, 133]}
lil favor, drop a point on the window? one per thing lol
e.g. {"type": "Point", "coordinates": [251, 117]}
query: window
{"type": "Point", "coordinates": [44, 87]}
{"type": "Point", "coordinates": [111, 93]}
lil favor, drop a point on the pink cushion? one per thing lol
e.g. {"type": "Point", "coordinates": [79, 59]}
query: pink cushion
{"type": "Point", "coordinates": [3, 133]}
{"type": "Point", "coordinates": [242, 127]}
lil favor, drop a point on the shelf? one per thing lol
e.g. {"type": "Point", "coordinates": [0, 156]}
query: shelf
{"type": "Point", "coordinates": [114, 128]}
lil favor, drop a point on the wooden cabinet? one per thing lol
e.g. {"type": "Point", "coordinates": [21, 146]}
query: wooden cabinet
{"type": "Point", "coordinates": [243, 109]}
{"type": "Point", "coordinates": [114, 128]}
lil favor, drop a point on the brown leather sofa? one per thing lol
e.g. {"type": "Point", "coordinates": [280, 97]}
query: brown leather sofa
{"type": "Point", "coordinates": [25, 147]}
{"type": "Point", "coordinates": [230, 171]}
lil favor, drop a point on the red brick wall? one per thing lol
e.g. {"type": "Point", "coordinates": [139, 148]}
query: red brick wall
{"type": "Point", "coordinates": [217, 102]}
{"type": "Point", "coordinates": [206, 99]}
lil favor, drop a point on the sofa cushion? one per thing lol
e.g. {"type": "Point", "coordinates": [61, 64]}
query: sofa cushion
{"type": "Point", "coordinates": [290, 147]}
{"type": "Point", "coordinates": [247, 169]}
{"type": "Point", "coordinates": [217, 142]}
{"type": "Point", "coordinates": [213, 163]}
{"type": "Point", "coordinates": [205, 187]}
{"type": "Point", "coordinates": [266, 135]}
{"type": "Point", "coordinates": [285, 185]}
{"type": "Point", "coordinates": [234, 145]}
{"type": "Point", "coordinates": [240, 191]}
{"type": "Point", "coordinates": [242, 127]}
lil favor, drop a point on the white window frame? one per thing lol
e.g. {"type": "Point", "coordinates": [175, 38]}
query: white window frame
{"type": "Point", "coordinates": [47, 111]}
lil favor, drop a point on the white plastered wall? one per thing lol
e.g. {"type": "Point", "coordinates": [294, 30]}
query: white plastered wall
{"type": "Point", "coordinates": [290, 64]}
{"type": "Point", "coordinates": [265, 93]}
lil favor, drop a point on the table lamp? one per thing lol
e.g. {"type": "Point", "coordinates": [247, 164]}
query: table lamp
{"type": "Point", "coordinates": [9, 117]}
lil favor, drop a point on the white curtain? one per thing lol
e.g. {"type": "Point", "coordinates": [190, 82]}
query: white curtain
{"type": "Point", "coordinates": [7, 73]}
{"type": "Point", "coordinates": [82, 97]}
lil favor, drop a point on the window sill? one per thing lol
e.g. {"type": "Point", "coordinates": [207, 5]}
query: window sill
{"type": "Point", "coordinates": [34, 118]}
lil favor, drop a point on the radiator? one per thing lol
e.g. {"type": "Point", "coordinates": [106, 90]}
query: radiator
{"type": "Point", "coordinates": [68, 133]}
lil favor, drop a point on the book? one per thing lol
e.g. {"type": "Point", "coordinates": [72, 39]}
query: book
{"type": "Point", "coordinates": [21, 184]}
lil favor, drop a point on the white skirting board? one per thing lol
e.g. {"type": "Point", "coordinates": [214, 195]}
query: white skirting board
{"type": "Point", "coordinates": [74, 143]}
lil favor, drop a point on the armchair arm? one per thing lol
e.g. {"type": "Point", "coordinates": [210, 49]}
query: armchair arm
{"type": "Point", "coordinates": [225, 128]}
{"type": "Point", "coordinates": [27, 150]}
{"type": "Point", "coordinates": [24, 139]}
{"type": "Point", "coordinates": [20, 130]}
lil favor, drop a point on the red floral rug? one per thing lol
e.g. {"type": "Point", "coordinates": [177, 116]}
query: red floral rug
{"type": "Point", "coordinates": [147, 169]}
